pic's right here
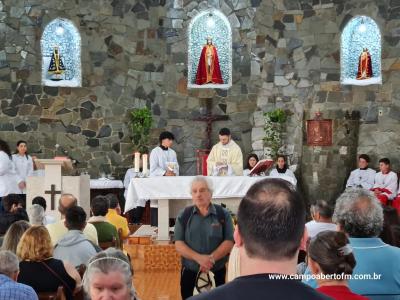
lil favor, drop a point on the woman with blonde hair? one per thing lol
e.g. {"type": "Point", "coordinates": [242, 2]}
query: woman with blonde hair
{"type": "Point", "coordinates": [39, 269]}
{"type": "Point", "coordinates": [13, 235]}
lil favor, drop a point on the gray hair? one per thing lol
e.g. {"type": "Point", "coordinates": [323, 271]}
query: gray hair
{"type": "Point", "coordinates": [359, 213]}
{"type": "Point", "coordinates": [202, 179]}
{"type": "Point", "coordinates": [9, 263]}
{"type": "Point", "coordinates": [108, 261]}
{"type": "Point", "coordinates": [36, 214]}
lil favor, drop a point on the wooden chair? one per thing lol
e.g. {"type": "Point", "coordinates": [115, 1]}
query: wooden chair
{"type": "Point", "coordinates": [106, 245]}
{"type": "Point", "coordinates": [58, 295]}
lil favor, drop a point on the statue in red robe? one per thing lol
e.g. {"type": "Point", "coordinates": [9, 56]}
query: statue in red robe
{"type": "Point", "coordinates": [208, 70]}
{"type": "Point", "coordinates": [364, 65]}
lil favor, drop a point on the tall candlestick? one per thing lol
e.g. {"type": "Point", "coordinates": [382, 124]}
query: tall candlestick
{"type": "Point", "coordinates": [137, 162]}
{"type": "Point", "coordinates": [144, 160]}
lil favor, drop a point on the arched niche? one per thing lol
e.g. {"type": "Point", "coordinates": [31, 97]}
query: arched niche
{"type": "Point", "coordinates": [210, 23]}
{"type": "Point", "coordinates": [361, 43]}
{"type": "Point", "coordinates": [61, 54]}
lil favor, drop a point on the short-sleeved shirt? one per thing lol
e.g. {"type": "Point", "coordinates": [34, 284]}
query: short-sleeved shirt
{"type": "Point", "coordinates": [204, 234]}
{"type": "Point", "coordinates": [9, 289]}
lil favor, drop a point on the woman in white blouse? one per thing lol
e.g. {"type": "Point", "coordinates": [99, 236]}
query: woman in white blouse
{"type": "Point", "coordinates": [282, 169]}
{"type": "Point", "coordinates": [23, 164]}
{"type": "Point", "coordinates": [252, 160]}
{"type": "Point", "coordinates": [9, 181]}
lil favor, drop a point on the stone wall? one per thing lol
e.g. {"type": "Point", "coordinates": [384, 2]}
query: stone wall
{"type": "Point", "coordinates": [286, 54]}
{"type": "Point", "coordinates": [298, 47]}
{"type": "Point", "coordinates": [133, 55]}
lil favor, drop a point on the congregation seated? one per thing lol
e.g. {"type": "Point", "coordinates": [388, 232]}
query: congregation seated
{"type": "Point", "coordinates": [267, 248]}
{"type": "Point", "coordinates": [114, 215]}
{"type": "Point", "coordinates": [321, 213]}
{"type": "Point", "coordinates": [330, 254]}
{"type": "Point", "coordinates": [42, 202]}
{"type": "Point", "coordinates": [282, 169]}
{"type": "Point", "coordinates": [13, 212]}
{"type": "Point", "coordinates": [74, 247]}
{"type": "Point", "coordinates": [359, 215]}
{"type": "Point", "coordinates": [36, 215]}
{"type": "Point", "coordinates": [106, 232]}
{"type": "Point", "coordinates": [252, 160]}
{"type": "Point", "coordinates": [385, 186]}
{"type": "Point", "coordinates": [13, 235]}
{"type": "Point", "coordinates": [39, 269]}
{"type": "Point", "coordinates": [109, 276]}
{"type": "Point", "coordinates": [391, 224]}
{"type": "Point", "coordinates": [57, 230]}
{"type": "Point", "coordinates": [363, 177]}
{"type": "Point", "coordinates": [9, 288]}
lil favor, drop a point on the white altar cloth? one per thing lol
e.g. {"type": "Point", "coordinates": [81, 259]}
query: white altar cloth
{"type": "Point", "coordinates": [166, 188]}
{"type": "Point", "coordinates": [105, 183]}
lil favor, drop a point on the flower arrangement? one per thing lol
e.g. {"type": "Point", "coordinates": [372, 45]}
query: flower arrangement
{"type": "Point", "coordinates": [274, 121]}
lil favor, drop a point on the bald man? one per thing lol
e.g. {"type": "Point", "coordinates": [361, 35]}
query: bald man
{"type": "Point", "coordinates": [58, 230]}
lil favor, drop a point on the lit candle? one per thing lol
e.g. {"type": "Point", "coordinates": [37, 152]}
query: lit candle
{"type": "Point", "coordinates": [137, 161]}
{"type": "Point", "coordinates": [144, 159]}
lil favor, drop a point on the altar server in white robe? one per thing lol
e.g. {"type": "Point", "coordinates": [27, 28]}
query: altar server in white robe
{"type": "Point", "coordinates": [363, 177]}
{"type": "Point", "coordinates": [10, 183]}
{"type": "Point", "coordinates": [225, 155]}
{"type": "Point", "coordinates": [163, 162]}
{"type": "Point", "coordinates": [385, 186]}
{"type": "Point", "coordinates": [23, 164]}
{"type": "Point", "coordinates": [282, 169]}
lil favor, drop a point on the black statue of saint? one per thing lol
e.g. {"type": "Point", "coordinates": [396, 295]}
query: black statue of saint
{"type": "Point", "coordinates": [56, 67]}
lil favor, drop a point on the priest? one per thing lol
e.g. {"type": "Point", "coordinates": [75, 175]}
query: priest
{"type": "Point", "coordinates": [226, 155]}
{"type": "Point", "coordinates": [385, 186]}
{"type": "Point", "coordinates": [363, 177]}
{"type": "Point", "coordinates": [163, 162]}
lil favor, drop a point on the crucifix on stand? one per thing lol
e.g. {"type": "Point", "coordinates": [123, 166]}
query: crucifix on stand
{"type": "Point", "coordinates": [209, 118]}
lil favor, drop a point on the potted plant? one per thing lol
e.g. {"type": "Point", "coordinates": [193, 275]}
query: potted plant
{"type": "Point", "coordinates": [273, 127]}
{"type": "Point", "coordinates": [141, 120]}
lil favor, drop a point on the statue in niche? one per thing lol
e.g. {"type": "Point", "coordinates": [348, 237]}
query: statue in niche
{"type": "Point", "coordinates": [364, 65]}
{"type": "Point", "coordinates": [208, 70]}
{"type": "Point", "coordinates": [56, 67]}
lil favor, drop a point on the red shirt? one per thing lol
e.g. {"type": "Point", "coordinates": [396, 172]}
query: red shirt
{"type": "Point", "coordinates": [340, 292]}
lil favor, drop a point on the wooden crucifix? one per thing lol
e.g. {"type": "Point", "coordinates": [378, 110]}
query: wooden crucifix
{"type": "Point", "coordinates": [209, 118]}
{"type": "Point", "coordinates": [53, 193]}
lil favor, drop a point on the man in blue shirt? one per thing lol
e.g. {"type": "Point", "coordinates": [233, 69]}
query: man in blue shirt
{"type": "Point", "coordinates": [377, 273]}
{"type": "Point", "coordinates": [9, 288]}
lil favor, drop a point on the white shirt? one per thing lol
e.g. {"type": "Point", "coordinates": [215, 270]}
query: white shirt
{"type": "Point", "coordinates": [8, 176]}
{"type": "Point", "coordinates": [288, 172]}
{"type": "Point", "coordinates": [363, 178]}
{"type": "Point", "coordinates": [313, 227]}
{"type": "Point", "coordinates": [387, 181]}
{"type": "Point", "coordinates": [246, 172]}
{"type": "Point", "coordinates": [159, 159]}
{"type": "Point", "coordinates": [23, 167]}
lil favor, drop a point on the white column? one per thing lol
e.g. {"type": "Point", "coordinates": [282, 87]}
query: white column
{"type": "Point", "coordinates": [163, 220]}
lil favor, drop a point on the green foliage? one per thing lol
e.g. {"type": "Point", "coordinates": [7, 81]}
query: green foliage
{"type": "Point", "coordinates": [276, 116]}
{"type": "Point", "coordinates": [141, 122]}
{"type": "Point", "coordinates": [274, 121]}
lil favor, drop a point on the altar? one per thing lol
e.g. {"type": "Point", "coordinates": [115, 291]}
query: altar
{"type": "Point", "coordinates": [173, 194]}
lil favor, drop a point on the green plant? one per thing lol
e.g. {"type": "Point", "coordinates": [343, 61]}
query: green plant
{"type": "Point", "coordinates": [141, 122]}
{"type": "Point", "coordinates": [274, 121]}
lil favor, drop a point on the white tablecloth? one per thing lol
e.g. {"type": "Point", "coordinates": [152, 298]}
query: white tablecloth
{"type": "Point", "coordinates": [104, 183]}
{"type": "Point", "coordinates": [157, 188]}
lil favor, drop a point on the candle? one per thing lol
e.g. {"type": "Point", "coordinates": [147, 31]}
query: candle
{"type": "Point", "coordinates": [144, 158]}
{"type": "Point", "coordinates": [137, 162]}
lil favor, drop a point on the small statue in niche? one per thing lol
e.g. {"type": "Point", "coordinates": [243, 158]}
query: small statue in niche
{"type": "Point", "coordinates": [208, 70]}
{"type": "Point", "coordinates": [364, 65]}
{"type": "Point", "coordinates": [56, 67]}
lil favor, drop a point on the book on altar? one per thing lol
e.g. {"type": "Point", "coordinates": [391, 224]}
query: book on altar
{"type": "Point", "coordinates": [262, 166]}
